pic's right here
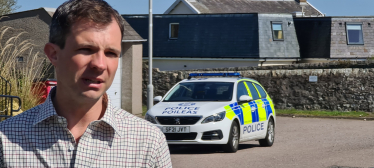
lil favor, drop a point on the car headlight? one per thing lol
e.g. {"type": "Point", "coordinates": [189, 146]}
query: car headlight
{"type": "Point", "coordinates": [215, 118]}
{"type": "Point", "coordinates": [150, 119]}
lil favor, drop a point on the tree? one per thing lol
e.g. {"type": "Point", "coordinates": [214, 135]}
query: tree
{"type": "Point", "coordinates": [8, 6]}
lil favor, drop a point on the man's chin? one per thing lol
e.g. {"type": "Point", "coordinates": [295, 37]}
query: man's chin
{"type": "Point", "coordinates": [92, 95]}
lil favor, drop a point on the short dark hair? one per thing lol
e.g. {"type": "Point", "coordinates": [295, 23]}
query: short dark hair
{"type": "Point", "coordinates": [71, 11]}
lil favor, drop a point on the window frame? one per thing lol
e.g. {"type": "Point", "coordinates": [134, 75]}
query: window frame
{"type": "Point", "coordinates": [170, 27]}
{"type": "Point", "coordinates": [258, 87]}
{"type": "Point", "coordinates": [237, 88]}
{"type": "Point", "coordinates": [251, 83]}
{"type": "Point", "coordinates": [272, 30]}
{"type": "Point", "coordinates": [347, 34]}
{"type": "Point", "coordinates": [20, 59]}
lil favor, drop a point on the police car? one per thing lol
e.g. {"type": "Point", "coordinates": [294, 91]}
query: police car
{"type": "Point", "coordinates": [223, 110]}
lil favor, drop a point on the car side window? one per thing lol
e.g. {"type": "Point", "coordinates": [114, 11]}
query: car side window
{"type": "Point", "coordinates": [253, 91]}
{"type": "Point", "coordinates": [261, 90]}
{"type": "Point", "coordinates": [242, 90]}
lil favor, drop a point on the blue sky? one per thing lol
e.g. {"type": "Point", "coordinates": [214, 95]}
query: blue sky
{"type": "Point", "coordinates": [329, 7]}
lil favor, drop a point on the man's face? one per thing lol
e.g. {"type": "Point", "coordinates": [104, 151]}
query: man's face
{"type": "Point", "coordinates": [86, 66]}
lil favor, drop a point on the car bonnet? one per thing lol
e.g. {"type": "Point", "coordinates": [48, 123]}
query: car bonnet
{"type": "Point", "coordinates": [187, 108]}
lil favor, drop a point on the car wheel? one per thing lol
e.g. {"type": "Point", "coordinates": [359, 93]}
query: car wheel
{"type": "Point", "coordinates": [270, 133]}
{"type": "Point", "coordinates": [233, 143]}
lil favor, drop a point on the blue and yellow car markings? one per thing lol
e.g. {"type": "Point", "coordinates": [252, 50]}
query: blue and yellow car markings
{"type": "Point", "coordinates": [268, 108]}
{"type": "Point", "coordinates": [249, 113]}
{"type": "Point", "coordinates": [253, 111]}
{"type": "Point", "coordinates": [238, 111]}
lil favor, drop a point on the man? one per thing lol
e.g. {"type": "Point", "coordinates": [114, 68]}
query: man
{"type": "Point", "coordinates": [77, 126]}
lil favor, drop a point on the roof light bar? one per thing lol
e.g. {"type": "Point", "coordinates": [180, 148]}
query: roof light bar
{"type": "Point", "coordinates": [214, 74]}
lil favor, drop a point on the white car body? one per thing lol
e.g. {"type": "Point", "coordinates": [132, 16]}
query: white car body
{"type": "Point", "coordinates": [175, 111]}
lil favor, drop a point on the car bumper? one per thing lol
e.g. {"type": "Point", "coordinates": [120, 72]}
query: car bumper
{"type": "Point", "coordinates": [224, 126]}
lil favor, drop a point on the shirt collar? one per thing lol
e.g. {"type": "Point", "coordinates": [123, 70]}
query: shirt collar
{"type": "Point", "coordinates": [47, 110]}
{"type": "Point", "coordinates": [109, 116]}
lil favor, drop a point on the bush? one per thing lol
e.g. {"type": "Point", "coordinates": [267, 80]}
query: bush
{"type": "Point", "coordinates": [21, 66]}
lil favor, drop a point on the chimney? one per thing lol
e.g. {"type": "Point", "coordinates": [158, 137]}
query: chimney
{"type": "Point", "coordinates": [303, 2]}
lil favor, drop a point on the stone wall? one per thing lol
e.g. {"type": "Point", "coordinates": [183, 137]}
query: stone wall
{"type": "Point", "coordinates": [343, 86]}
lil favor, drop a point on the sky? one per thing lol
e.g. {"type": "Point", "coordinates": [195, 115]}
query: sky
{"type": "Point", "coordinates": [329, 7]}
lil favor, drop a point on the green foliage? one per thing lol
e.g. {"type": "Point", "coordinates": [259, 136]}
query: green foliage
{"type": "Point", "coordinates": [316, 113]}
{"type": "Point", "coordinates": [144, 110]}
{"type": "Point", "coordinates": [8, 6]}
{"type": "Point", "coordinates": [21, 75]}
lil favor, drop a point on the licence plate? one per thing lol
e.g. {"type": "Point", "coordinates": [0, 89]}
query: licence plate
{"type": "Point", "coordinates": [176, 129]}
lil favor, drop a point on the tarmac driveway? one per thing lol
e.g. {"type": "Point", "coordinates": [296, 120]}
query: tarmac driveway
{"type": "Point", "coordinates": [299, 142]}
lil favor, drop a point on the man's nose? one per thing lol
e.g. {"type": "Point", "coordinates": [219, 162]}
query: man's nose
{"type": "Point", "coordinates": [98, 61]}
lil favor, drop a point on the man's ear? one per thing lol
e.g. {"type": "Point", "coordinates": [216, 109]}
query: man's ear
{"type": "Point", "coordinates": [51, 51]}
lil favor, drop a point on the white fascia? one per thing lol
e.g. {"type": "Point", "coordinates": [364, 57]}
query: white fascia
{"type": "Point", "coordinates": [130, 41]}
{"type": "Point", "coordinates": [172, 7]}
{"type": "Point", "coordinates": [315, 8]}
{"type": "Point", "coordinates": [188, 4]}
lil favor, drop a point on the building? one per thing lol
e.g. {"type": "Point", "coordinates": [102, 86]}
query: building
{"type": "Point", "coordinates": [299, 8]}
{"type": "Point", "coordinates": [125, 91]}
{"type": "Point", "coordinates": [335, 38]}
{"type": "Point", "coordinates": [219, 40]}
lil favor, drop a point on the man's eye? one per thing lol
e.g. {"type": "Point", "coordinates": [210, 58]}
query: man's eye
{"type": "Point", "coordinates": [111, 54]}
{"type": "Point", "coordinates": [85, 49]}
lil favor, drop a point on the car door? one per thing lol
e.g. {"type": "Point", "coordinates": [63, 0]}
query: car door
{"type": "Point", "coordinates": [240, 91]}
{"type": "Point", "coordinates": [258, 112]}
{"type": "Point", "coordinates": [265, 100]}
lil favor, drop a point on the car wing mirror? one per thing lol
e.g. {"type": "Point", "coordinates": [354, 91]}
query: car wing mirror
{"type": "Point", "coordinates": [157, 98]}
{"type": "Point", "coordinates": [245, 98]}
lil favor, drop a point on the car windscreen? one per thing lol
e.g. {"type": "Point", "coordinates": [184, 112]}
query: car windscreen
{"type": "Point", "coordinates": [201, 91]}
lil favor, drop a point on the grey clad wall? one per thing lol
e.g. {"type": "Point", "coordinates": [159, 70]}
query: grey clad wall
{"type": "Point", "coordinates": [339, 45]}
{"type": "Point", "coordinates": [201, 36]}
{"type": "Point", "coordinates": [288, 48]}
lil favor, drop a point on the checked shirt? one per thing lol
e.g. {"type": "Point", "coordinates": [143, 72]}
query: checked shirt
{"type": "Point", "coordinates": [39, 138]}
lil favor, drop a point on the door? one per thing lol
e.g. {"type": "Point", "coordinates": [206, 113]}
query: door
{"type": "Point", "coordinates": [257, 113]}
{"type": "Point", "coordinates": [265, 101]}
{"type": "Point", "coordinates": [114, 91]}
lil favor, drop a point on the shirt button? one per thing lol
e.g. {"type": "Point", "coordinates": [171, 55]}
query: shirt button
{"type": "Point", "coordinates": [71, 147]}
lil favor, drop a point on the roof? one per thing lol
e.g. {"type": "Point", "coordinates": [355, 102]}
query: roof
{"type": "Point", "coordinates": [215, 79]}
{"type": "Point", "coordinates": [219, 79]}
{"type": "Point", "coordinates": [201, 36]}
{"type": "Point", "coordinates": [50, 11]}
{"type": "Point", "coordinates": [130, 34]}
{"type": "Point", "coordinates": [248, 6]}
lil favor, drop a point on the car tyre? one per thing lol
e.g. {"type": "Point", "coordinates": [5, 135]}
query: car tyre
{"type": "Point", "coordinates": [233, 143]}
{"type": "Point", "coordinates": [270, 133]}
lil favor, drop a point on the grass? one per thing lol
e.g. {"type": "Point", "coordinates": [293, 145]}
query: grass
{"type": "Point", "coordinates": [311, 113]}
{"type": "Point", "coordinates": [315, 113]}
{"type": "Point", "coordinates": [21, 75]}
{"type": "Point", "coordinates": [144, 109]}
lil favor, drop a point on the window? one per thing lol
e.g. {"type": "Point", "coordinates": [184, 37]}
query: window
{"type": "Point", "coordinates": [173, 31]}
{"type": "Point", "coordinates": [201, 91]}
{"type": "Point", "coordinates": [354, 34]}
{"type": "Point", "coordinates": [277, 31]}
{"type": "Point", "coordinates": [253, 91]}
{"type": "Point", "coordinates": [261, 90]}
{"type": "Point", "coordinates": [242, 90]}
{"type": "Point", "coordinates": [20, 59]}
